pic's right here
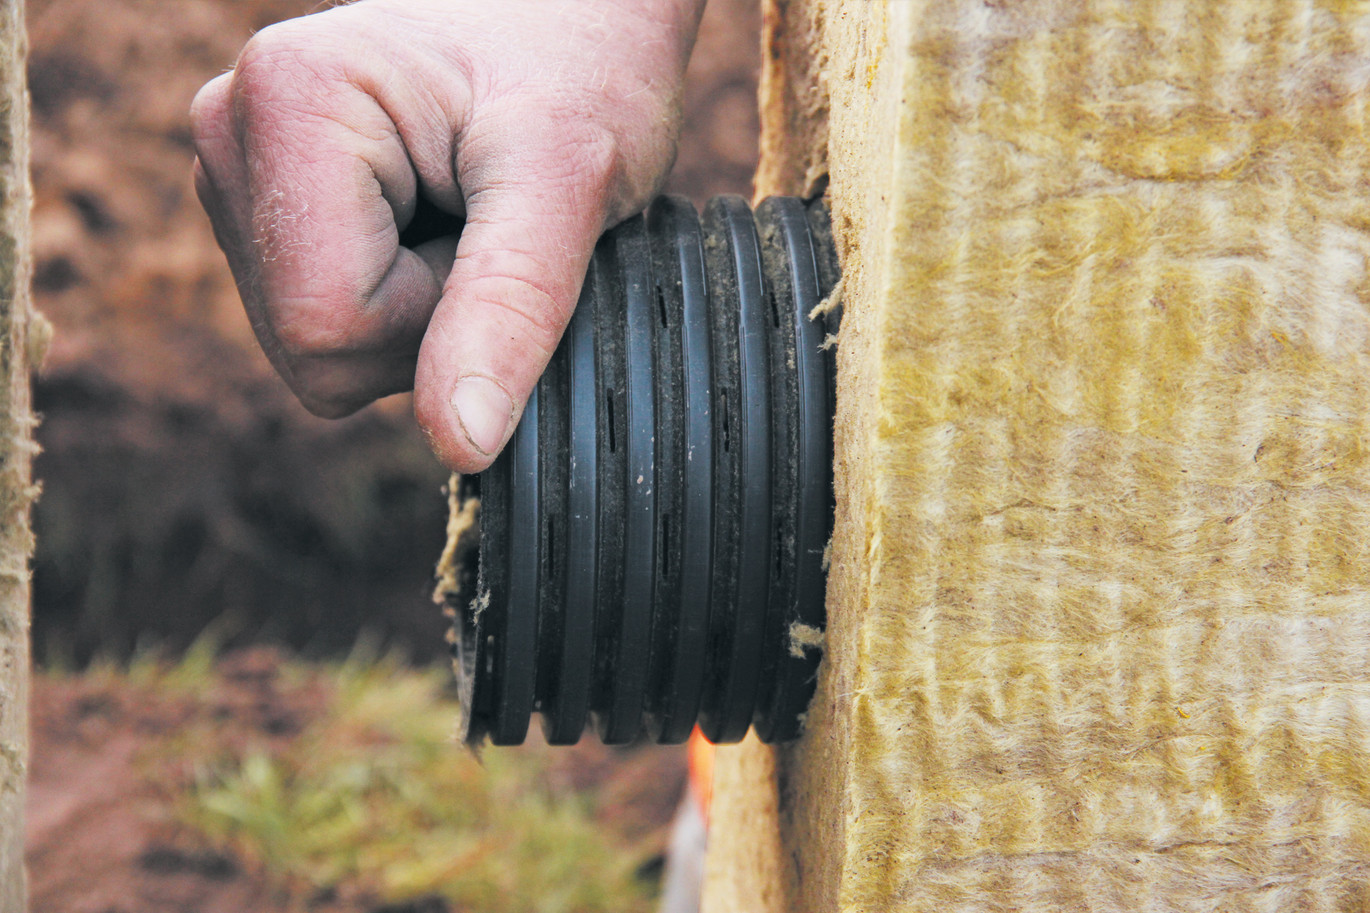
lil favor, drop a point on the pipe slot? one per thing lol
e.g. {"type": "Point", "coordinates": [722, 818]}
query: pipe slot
{"type": "Point", "coordinates": [684, 516]}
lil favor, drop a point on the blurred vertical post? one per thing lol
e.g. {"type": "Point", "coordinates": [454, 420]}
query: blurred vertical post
{"type": "Point", "coordinates": [21, 335]}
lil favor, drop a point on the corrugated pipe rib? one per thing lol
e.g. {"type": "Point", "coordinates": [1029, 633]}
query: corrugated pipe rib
{"type": "Point", "coordinates": [652, 538]}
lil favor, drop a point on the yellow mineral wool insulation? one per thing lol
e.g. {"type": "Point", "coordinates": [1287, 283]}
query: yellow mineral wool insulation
{"type": "Point", "coordinates": [23, 338]}
{"type": "Point", "coordinates": [804, 637]}
{"type": "Point", "coordinates": [1099, 607]}
{"type": "Point", "coordinates": [754, 881]}
{"type": "Point", "coordinates": [463, 532]}
{"type": "Point", "coordinates": [454, 571]}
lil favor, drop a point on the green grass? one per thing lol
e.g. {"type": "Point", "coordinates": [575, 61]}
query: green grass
{"type": "Point", "coordinates": [376, 796]}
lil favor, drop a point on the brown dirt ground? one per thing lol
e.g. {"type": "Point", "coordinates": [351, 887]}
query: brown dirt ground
{"type": "Point", "coordinates": [184, 486]}
{"type": "Point", "coordinates": [102, 837]}
{"type": "Point", "coordinates": [100, 834]}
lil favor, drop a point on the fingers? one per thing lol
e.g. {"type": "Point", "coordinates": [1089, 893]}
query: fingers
{"type": "Point", "coordinates": [531, 227]}
{"type": "Point", "coordinates": [305, 179]}
{"type": "Point", "coordinates": [220, 173]}
{"type": "Point", "coordinates": [544, 124]}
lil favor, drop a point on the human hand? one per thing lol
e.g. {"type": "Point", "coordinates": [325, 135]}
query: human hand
{"type": "Point", "coordinates": [542, 122]}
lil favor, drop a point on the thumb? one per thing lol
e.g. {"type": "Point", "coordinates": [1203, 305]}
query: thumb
{"type": "Point", "coordinates": [519, 267]}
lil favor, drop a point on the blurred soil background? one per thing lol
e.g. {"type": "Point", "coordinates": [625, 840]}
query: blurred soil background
{"type": "Point", "coordinates": [210, 554]}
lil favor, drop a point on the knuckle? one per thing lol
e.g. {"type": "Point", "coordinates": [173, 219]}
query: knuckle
{"type": "Point", "coordinates": [587, 158]}
{"type": "Point", "coordinates": [525, 307]}
{"type": "Point", "coordinates": [327, 408]}
{"type": "Point", "coordinates": [557, 143]}
{"type": "Point", "coordinates": [544, 316]}
{"type": "Point", "coordinates": [316, 385]}
{"type": "Point", "coordinates": [279, 42]}
{"type": "Point", "coordinates": [207, 111]}
{"type": "Point", "coordinates": [332, 409]}
{"type": "Point", "coordinates": [211, 127]}
{"type": "Point", "coordinates": [593, 153]}
{"type": "Point", "coordinates": [289, 56]}
{"type": "Point", "coordinates": [599, 172]}
{"type": "Point", "coordinates": [307, 334]}
{"type": "Point", "coordinates": [260, 60]}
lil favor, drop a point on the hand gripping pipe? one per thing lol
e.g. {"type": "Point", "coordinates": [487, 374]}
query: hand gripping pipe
{"type": "Point", "coordinates": [652, 538]}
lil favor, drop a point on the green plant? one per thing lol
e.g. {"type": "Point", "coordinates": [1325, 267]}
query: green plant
{"type": "Point", "coordinates": [376, 795]}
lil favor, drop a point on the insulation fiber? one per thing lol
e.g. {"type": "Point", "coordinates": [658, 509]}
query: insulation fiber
{"type": "Point", "coordinates": [1099, 606]}
{"type": "Point", "coordinates": [23, 337]}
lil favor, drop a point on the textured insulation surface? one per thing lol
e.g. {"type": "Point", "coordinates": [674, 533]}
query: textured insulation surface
{"type": "Point", "coordinates": [23, 339]}
{"type": "Point", "coordinates": [1100, 607]}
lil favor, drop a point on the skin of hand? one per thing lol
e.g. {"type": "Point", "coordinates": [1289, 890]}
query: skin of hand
{"type": "Point", "coordinates": [542, 122]}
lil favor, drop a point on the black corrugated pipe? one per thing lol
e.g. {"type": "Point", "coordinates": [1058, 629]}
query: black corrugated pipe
{"type": "Point", "coordinates": [652, 538]}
